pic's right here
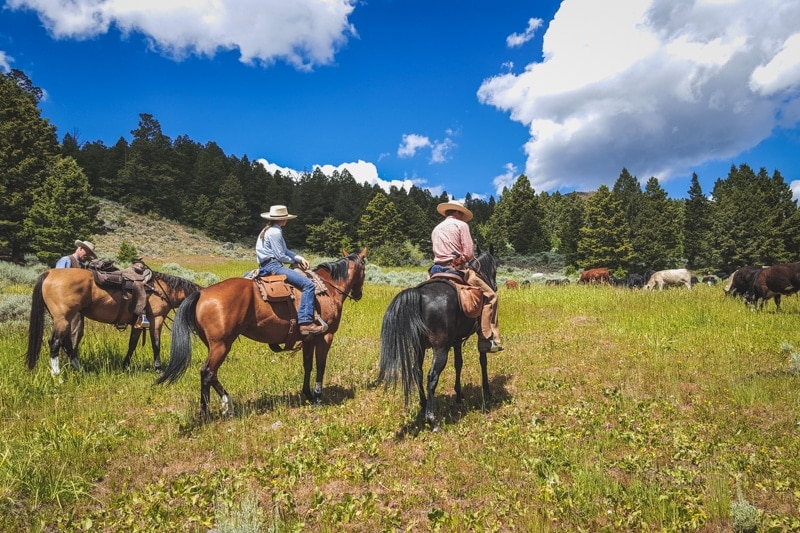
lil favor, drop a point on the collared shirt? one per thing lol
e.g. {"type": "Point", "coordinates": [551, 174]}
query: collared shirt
{"type": "Point", "coordinates": [272, 246]}
{"type": "Point", "coordinates": [449, 236]}
{"type": "Point", "coordinates": [67, 261]}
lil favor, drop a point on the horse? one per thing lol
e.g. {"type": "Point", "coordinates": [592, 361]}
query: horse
{"type": "Point", "coordinates": [69, 294]}
{"type": "Point", "coordinates": [430, 316]}
{"type": "Point", "coordinates": [220, 313]}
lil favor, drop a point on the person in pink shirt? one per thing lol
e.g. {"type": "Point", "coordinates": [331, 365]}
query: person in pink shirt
{"type": "Point", "coordinates": [452, 252]}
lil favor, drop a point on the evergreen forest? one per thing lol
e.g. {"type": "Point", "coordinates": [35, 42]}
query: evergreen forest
{"type": "Point", "coordinates": [49, 190]}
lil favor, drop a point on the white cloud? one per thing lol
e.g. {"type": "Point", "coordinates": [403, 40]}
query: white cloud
{"type": "Point", "coordinates": [411, 143]}
{"type": "Point", "coordinates": [653, 87]}
{"type": "Point", "coordinates": [303, 33]}
{"type": "Point", "coordinates": [5, 62]}
{"type": "Point", "coordinates": [518, 39]}
{"type": "Point", "coordinates": [506, 179]}
{"type": "Point", "coordinates": [440, 150]}
{"type": "Point", "coordinates": [782, 72]}
{"type": "Point", "coordinates": [362, 172]}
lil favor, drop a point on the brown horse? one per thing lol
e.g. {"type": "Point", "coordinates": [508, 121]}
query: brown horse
{"type": "Point", "coordinates": [71, 293]}
{"type": "Point", "coordinates": [220, 313]}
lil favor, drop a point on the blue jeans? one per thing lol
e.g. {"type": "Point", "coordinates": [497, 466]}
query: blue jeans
{"type": "Point", "coordinates": [436, 269]}
{"type": "Point", "coordinates": [305, 311]}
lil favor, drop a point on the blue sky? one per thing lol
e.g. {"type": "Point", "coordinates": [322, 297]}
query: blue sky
{"type": "Point", "coordinates": [452, 96]}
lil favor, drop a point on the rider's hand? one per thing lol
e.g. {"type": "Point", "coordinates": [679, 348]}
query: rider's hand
{"type": "Point", "coordinates": [302, 260]}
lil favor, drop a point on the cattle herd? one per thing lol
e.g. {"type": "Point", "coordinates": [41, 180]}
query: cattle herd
{"type": "Point", "coordinates": [755, 284]}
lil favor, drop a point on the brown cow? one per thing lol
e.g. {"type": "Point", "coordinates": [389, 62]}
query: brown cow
{"type": "Point", "coordinates": [596, 275]}
{"type": "Point", "coordinates": [511, 284]}
{"type": "Point", "coordinates": [773, 282]}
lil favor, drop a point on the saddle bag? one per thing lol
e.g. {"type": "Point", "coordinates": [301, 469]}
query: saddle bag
{"type": "Point", "coordinates": [274, 288]}
{"type": "Point", "coordinates": [471, 299]}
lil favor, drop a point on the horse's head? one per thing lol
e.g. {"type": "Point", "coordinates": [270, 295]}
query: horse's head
{"type": "Point", "coordinates": [358, 263]}
{"type": "Point", "coordinates": [488, 268]}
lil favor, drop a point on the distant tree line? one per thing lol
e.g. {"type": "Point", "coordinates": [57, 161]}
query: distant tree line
{"type": "Point", "coordinates": [49, 191]}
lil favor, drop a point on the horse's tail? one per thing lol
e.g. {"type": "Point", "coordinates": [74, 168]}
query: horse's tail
{"type": "Point", "coordinates": [402, 334]}
{"type": "Point", "coordinates": [36, 325]}
{"type": "Point", "coordinates": [180, 351]}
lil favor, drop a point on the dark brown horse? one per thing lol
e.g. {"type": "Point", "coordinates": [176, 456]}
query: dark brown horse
{"type": "Point", "coordinates": [220, 313]}
{"type": "Point", "coordinates": [429, 316]}
{"type": "Point", "coordinates": [71, 293]}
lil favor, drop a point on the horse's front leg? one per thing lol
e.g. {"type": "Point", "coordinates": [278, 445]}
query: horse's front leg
{"type": "Point", "coordinates": [323, 346]}
{"type": "Point", "coordinates": [458, 362]}
{"type": "Point", "coordinates": [315, 397]}
{"type": "Point", "coordinates": [438, 364]}
{"type": "Point", "coordinates": [487, 394]}
{"type": "Point", "coordinates": [155, 341]}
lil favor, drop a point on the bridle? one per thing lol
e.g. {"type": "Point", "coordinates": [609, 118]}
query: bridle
{"type": "Point", "coordinates": [356, 261]}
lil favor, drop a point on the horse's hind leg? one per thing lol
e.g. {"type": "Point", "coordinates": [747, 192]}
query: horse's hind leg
{"type": "Point", "coordinates": [438, 364]}
{"type": "Point", "coordinates": [208, 379]}
{"type": "Point", "coordinates": [458, 362]}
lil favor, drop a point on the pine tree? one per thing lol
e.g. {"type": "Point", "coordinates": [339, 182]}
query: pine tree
{"type": "Point", "coordinates": [656, 240]}
{"type": "Point", "coordinates": [697, 227]}
{"type": "Point", "coordinates": [329, 238]}
{"type": "Point", "coordinates": [224, 220]}
{"type": "Point", "coordinates": [27, 144]}
{"type": "Point", "coordinates": [604, 235]}
{"type": "Point", "coordinates": [380, 224]}
{"type": "Point", "coordinates": [63, 210]}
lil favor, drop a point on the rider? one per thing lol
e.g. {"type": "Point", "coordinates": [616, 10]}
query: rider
{"type": "Point", "coordinates": [453, 251]}
{"type": "Point", "coordinates": [84, 251]}
{"type": "Point", "coordinates": [272, 253]}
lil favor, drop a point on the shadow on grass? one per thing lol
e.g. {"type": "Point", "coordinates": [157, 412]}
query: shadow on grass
{"type": "Point", "coordinates": [453, 412]}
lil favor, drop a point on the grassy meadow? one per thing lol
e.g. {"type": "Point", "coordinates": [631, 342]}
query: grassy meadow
{"type": "Point", "coordinates": [614, 410]}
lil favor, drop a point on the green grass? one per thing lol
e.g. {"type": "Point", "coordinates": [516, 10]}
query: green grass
{"type": "Point", "coordinates": [614, 410]}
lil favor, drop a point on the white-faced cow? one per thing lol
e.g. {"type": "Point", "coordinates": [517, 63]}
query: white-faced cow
{"type": "Point", "coordinates": [670, 278]}
{"type": "Point", "coordinates": [772, 282]}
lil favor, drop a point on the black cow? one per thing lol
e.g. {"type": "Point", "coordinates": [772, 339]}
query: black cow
{"type": "Point", "coordinates": [741, 280]}
{"type": "Point", "coordinates": [773, 282]}
{"type": "Point", "coordinates": [635, 281]}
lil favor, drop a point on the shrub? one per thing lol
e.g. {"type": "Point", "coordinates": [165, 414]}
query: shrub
{"type": "Point", "coordinates": [127, 252]}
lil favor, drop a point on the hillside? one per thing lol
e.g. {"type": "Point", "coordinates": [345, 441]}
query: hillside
{"type": "Point", "coordinates": [159, 238]}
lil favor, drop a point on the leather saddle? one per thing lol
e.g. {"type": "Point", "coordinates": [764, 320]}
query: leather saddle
{"type": "Point", "coordinates": [469, 298]}
{"type": "Point", "coordinates": [108, 276]}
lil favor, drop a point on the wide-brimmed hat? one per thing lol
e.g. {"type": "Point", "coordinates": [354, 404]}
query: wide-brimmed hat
{"type": "Point", "coordinates": [455, 205]}
{"type": "Point", "coordinates": [278, 212]}
{"type": "Point", "coordinates": [86, 245]}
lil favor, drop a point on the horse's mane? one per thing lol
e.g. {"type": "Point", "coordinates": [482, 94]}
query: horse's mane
{"type": "Point", "coordinates": [339, 268]}
{"type": "Point", "coordinates": [177, 283]}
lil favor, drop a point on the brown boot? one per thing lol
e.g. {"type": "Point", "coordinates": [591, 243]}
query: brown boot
{"type": "Point", "coordinates": [311, 329]}
{"type": "Point", "coordinates": [489, 346]}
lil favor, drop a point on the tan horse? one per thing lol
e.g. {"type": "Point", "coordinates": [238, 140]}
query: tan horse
{"type": "Point", "coordinates": [220, 313]}
{"type": "Point", "coordinates": [71, 293]}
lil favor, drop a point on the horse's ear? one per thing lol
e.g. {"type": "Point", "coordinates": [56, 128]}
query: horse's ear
{"type": "Point", "coordinates": [344, 253]}
{"type": "Point", "coordinates": [491, 249]}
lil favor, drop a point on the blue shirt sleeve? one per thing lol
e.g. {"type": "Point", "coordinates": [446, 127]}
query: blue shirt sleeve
{"type": "Point", "coordinates": [64, 262]}
{"type": "Point", "coordinates": [272, 246]}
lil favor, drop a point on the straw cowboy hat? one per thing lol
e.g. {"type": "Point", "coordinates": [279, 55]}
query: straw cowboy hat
{"type": "Point", "coordinates": [278, 212]}
{"type": "Point", "coordinates": [86, 245]}
{"type": "Point", "coordinates": [455, 206]}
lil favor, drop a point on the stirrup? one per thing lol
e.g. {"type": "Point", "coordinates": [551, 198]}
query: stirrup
{"type": "Point", "coordinates": [142, 322]}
